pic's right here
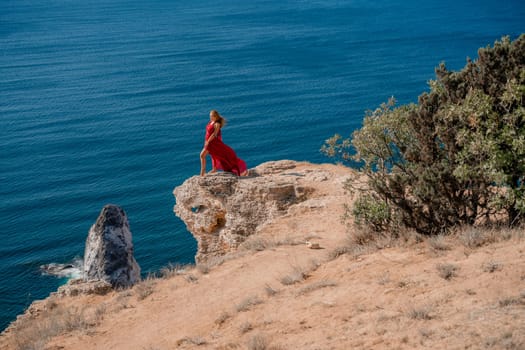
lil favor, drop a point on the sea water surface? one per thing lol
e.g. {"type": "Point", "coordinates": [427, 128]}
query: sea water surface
{"type": "Point", "coordinates": [106, 102]}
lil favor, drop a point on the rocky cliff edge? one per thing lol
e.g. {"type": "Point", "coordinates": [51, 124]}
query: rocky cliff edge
{"type": "Point", "coordinates": [222, 210]}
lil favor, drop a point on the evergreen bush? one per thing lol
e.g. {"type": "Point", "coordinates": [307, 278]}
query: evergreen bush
{"type": "Point", "coordinates": [454, 157]}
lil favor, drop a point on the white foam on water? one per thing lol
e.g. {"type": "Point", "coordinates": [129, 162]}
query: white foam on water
{"type": "Point", "coordinates": [68, 270]}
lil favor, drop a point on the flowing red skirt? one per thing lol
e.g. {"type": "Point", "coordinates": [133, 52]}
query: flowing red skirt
{"type": "Point", "coordinates": [223, 157]}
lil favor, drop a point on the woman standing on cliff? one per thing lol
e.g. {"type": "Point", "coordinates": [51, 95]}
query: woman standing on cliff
{"type": "Point", "coordinates": [223, 157]}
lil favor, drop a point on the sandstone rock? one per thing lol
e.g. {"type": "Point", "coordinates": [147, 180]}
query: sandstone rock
{"type": "Point", "coordinates": [221, 210]}
{"type": "Point", "coordinates": [109, 250]}
{"type": "Point", "coordinates": [79, 286]}
{"type": "Point", "coordinates": [313, 245]}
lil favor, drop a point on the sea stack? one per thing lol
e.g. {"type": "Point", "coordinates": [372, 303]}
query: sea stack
{"type": "Point", "coordinates": [109, 250]}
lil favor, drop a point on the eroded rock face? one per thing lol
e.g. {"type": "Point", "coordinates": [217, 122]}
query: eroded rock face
{"type": "Point", "coordinates": [221, 210]}
{"type": "Point", "coordinates": [108, 254]}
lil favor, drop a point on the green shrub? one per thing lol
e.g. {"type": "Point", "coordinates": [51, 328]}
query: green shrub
{"type": "Point", "coordinates": [452, 158]}
{"type": "Point", "coordinates": [371, 212]}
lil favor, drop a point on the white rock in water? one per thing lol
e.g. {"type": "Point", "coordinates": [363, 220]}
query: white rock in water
{"type": "Point", "coordinates": [108, 254]}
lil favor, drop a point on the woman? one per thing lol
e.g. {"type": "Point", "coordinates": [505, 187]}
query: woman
{"type": "Point", "coordinates": [222, 156]}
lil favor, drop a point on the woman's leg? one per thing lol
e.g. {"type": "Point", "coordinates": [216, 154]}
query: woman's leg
{"type": "Point", "coordinates": [204, 152]}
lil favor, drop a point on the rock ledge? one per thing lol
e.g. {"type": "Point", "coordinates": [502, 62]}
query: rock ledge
{"type": "Point", "coordinates": [221, 210]}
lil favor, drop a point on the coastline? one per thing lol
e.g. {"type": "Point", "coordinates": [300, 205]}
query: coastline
{"type": "Point", "coordinates": [274, 290]}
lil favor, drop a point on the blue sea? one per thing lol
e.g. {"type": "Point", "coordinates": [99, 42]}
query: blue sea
{"type": "Point", "coordinates": [106, 102]}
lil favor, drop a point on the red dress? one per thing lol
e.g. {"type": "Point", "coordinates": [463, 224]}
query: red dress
{"type": "Point", "coordinates": [223, 157]}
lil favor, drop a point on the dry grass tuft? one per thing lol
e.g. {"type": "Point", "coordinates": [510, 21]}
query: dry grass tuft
{"type": "Point", "coordinates": [447, 271]}
{"type": "Point", "coordinates": [259, 342]}
{"type": "Point", "coordinates": [420, 313]}
{"type": "Point", "coordinates": [270, 291]}
{"type": "Point", "coordinates": [204, 268]}
{"type": "Point", "coordinates": [315, 286]}
{"type": "Point", "coordinates": [246, 327]}
{"type": "Point", "coordinates": [248, 303]}
{"type": "Point", "coordinates": [145, 288]}
{"type": "Point", "coordinates": [363, 236]}
{"type": "Point", "coordinates": [426, 333]}
{"type": "Point", "coordinates": [173, 270]}
{"type": "Point", "coordinates": [384, 279]}
{"type": "Point", "coordinates": [475, 237]}
{"type": "Point", "coordinates": [299, 274]}
{"type": "Point", "coordinates": [505, 341]}
{"type": "Point", "coordinates": [192, 340]}
{"type": "Point", "coordinates": [338, 251]}
{"type": "Point", "coordinates": [229, 346]}
{"type": "Point", "coordinates": [290, 240]}
{"type": "Point", "coordinates": [510, 301]}
{"type": "Point", "coordinates": [122, 301]}
{"type": "Point", "coordinates": [257, 244]}
{"type": "Point", "coordinates": [223, 317]}
{"type": "Point", "coordinates": [54, 319]}
{"type": "Point", "coordinates": [295, 277]}
{"type": "Point", "coordinates": [191, 278]}
{"type": "Point", "coordinates": [438, 243]}
{"type": "Point", "coordinates": [403, 283]}
{"type": "Point", "coordinates": [364, 242]}
{"type": "Point", "coordinates": [492, 266]}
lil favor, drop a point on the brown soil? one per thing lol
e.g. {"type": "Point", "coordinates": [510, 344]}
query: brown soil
{"type": "Point", "coordinates": [277, 293]}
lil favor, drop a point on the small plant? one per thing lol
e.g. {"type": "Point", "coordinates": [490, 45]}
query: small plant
{"type": "Point", "coordinates": [505, 341]}
{"type": "Point", "coordinates": [203, 268]}
{"type": "Point", "coordinates": [297, 275]}
{"type": "Point", "coordinates": [173, 270]}
{"type": "Point", "coordinates": [371, 213]}
{"type": "Point", "coordinates": [257, 244]}
{"type": "Point", "coordinates": [403, 283]}
{"type": "Point", "coordinates": [34, 334]}
{"type": "Point", "coordinates": [192, 340]}
{"type": "Point", "coordinates": [364, 236]}
{"type": "Point", "coordinates": [447, 271]}
{"type": "Point", "coordinates": [289, 240]}
{"type": "Point", "coordinates": [245, 327]}
{"type": "Point", "coordinates": [426, 333]}
{"type": "Point", "coordinates": [338, 251]}
{"type": "Point", "coordinates": [473, 237]}
{"type": "Point", "coordinates": [420, 313]}
{"type": "Point", "coordinates": [492, 266]}
{"type": "Point", "coordinates": [247, 303]}
{"type": "Point", "coordinates": [191, 278]}
{"type": "Point", "coordinates": [316, 286]}
{"type": "Point", "coordinates": [223, 317]}
{"type": "Point", "coordinates": [383, 280]}
{"type": "Point", "coordinates": [145, 288]}
{"type": "Point", "coordinates": [258, 342]}
{"type": "Point", "coordinates": [270, 291]}
{"type": "Point", "coordinates": [512, 301]}
{"type": "Point", "coordinates": [438, 243]}
{"type": "Point", "coordinates": [99, 313]}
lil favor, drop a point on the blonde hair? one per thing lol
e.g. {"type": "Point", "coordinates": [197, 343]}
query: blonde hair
{"type": "Point", "coordinates": [220, 119]}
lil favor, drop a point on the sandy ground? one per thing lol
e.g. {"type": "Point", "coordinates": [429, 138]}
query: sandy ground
{"type": "Point", "coordinates": [276, 293]}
